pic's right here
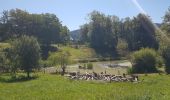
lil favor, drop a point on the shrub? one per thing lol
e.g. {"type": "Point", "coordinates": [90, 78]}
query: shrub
{"type": "Point", "coordinates": [89, 66]}
{"type": "Point", "coordinates": [130, 70]}
{"type": "Point", "coordinates": [144, 61]}
{"type": "Point", "coordinates": [56, 58]}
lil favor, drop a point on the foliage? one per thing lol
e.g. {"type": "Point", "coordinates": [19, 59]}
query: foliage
{"type": "Point", "coordinates": [47, 28]}
{"type": "Point", "coordinates": [4, 62]}
{"type": "Point", "coordinates": [139, 32]}
{"type": "Point", "coordinates": [102, 36]}
{"type": "Point", "coordinates": [89, 66]}
{"type": "Point", "coordinates": [55, 59]}
{"type": "Point", "coordinates": [43, 63]}
{"type": "Point", "coordinates": [45, 49]}
{"type": "Point", "coordinates": [122, 48]}
{"type": "Point", "coordinates": [165, 51]}
{"type": "Point", "coordinates": [166, 22]}
{"type": "Point", "coordinates": [26, 52]}
{"type": "Point", "coordinates": [100, 32]}
{"type": "Point", "coordinates": [103, 32]}
{"type": "Point", "coordinates": [61, 59]}
{"type": "Point", "coordinates": [165, 41]}
{"type": "Point", "coordinates": [130, 70]}
{"type": "Point", "coordinates": [84, 32]}
{"type": "Point", "coordinates": [86, 66]}
{"type": "Point", "coordinates": [144, 61]}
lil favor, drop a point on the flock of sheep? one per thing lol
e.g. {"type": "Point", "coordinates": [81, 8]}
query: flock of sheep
{"type": "Point", "coordinates": [103, 77]}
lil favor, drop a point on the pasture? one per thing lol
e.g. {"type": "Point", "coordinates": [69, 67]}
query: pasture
{"type": "Point", "coordinates": [55, 87]}
{"type": "Point", "coordinates": [82, 52]}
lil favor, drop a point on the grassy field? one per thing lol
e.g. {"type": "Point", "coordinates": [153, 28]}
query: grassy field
{"type": "Point", "coordinates": [54, 87]}
{"type": "Point", "coordinates": [4, 45]}
{"type": "Point", "coordinates": [80, 53]}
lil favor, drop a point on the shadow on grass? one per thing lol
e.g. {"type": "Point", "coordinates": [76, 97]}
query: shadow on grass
{"type": "Point", "coordinates": [20, 78]}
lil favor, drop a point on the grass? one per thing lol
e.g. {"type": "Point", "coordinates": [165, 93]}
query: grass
{"type": "Point", "coordinates": [54, 87]}
{"type": "Point", "coordinates": [80, 53]}
{"type": "Point", "coordinates": [4, 45]}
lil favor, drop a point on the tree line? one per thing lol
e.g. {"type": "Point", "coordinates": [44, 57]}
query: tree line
{"type": "Point", "coordinates": [47, 28]}
{"type": "Point", "coordinates": [104, 32]}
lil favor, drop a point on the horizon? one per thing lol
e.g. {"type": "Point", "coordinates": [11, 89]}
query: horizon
{"type": "Point", "coordinates": [75, 13]}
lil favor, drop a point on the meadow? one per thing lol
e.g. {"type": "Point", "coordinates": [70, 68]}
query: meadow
{"type": "Point", "coordinates": [81, 52]}
{"type": "Point", "coordinates": [56, 87]}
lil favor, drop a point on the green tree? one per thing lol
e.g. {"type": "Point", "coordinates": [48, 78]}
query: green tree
{"type": "Point", "coordinates": [84, 30]}
{"type": "Point", "coordinates": [27, 51]}
{"type": "Point", "coordinates": [139, 32]}
{"type": "Point", "coordinates": [164, 41]}
{"type": "Point", "coordinates": [47, 28]}
{"type": "Point", "coordinates": [122, 48]}
{"type": "Point", "coordinates": [102, 33]}
{"type": "Point", "coordinates": [61, 59]}
{"type": "Point", "coordinates": [165, 51]}
{"type": "Point", "coordinates": [166, 22]}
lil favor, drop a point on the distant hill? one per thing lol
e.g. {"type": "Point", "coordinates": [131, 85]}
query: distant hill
{"type": "Point", "coordinates": [75, 35]}
{"type": "Point", "coordinates": [158, 24]}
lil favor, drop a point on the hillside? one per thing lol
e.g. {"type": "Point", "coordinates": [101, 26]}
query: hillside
{"type": "Point", "coordinates": [75, 35]}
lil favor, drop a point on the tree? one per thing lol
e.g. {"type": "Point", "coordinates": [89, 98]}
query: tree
{"type": "Point", "coordinates": [27, 51]}
{"type": "Point", "coordinates": [139, 32]}
{"type": "Point", "coordinates": [122, 48]}
{"type": "Point", "coordinates": [47, 28]}
{"type": "Point", "coordinates": [165, 51]}
{"type": "Point", "coordinates": [61, 59]}
{"type": "Point", "coordinates": [84, 30]}
{"type": "Point", "coordinates": [164, 40]}
{"type": "Point", "coordinates": [144, 61]}
{"type": "Point", "coordinates": [102, 34]}
{"type": "Point", "coordinates": [167, 16]}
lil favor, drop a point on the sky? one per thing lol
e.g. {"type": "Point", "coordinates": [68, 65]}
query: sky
{"type": "Point", "coordinates": [74, 13]}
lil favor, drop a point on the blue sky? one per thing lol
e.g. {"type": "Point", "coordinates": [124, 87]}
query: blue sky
{"type": "Point", "coordinates": [73, 13]}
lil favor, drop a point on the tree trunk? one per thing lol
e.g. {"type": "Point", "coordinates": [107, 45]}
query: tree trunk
{"type": "Point", "coordinates": [28, 74]}
{"type": "Point", "coordinates": [63, 71]}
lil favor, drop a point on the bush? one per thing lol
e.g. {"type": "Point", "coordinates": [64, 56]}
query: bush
{"type": "Point", "coordinates": [89, 66]}
{"type": "Point", "coordinates": [56, 58]}
{"type": "Point", "coordinates": [130, 70]}
{"type": "Point", "coordinates": [145, 61]}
